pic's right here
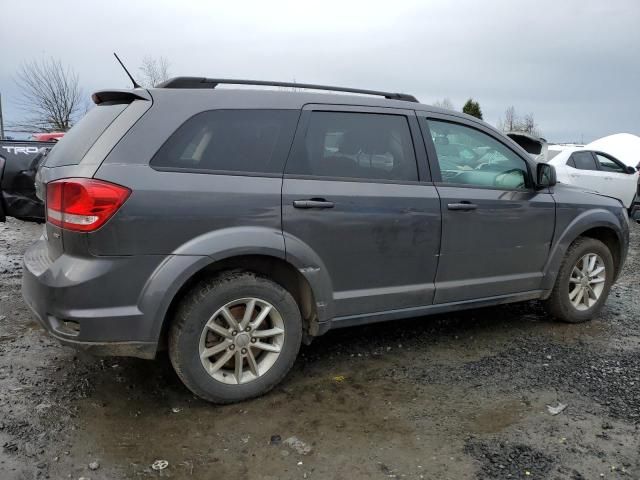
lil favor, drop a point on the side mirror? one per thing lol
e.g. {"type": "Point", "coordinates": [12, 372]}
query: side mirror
{"type": "Point", "coordinates": [545, 176]}
{"type": "Point", "coordinates": [631, 170]}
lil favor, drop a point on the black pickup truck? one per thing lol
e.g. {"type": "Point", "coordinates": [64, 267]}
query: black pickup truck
{"type": "Point", "coordinates": [19, 161]}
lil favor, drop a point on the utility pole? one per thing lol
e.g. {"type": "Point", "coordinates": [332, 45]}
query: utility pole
{"type": "Point", "coordinates": [1, 120]}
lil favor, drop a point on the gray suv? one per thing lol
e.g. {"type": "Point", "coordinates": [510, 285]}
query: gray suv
{"type": "Point", "coordinates": [231, 225]}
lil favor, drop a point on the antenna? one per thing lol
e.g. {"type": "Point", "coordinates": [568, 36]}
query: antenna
{"type": "Point", "coordinates": [135, 84]}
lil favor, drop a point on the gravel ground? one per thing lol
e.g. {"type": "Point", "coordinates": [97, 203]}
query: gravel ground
{"type": "Point", "coordinates": [451, 396]}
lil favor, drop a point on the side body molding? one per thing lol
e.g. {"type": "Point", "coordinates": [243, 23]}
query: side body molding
{"type": "Point", "coordinates": [566, 233]}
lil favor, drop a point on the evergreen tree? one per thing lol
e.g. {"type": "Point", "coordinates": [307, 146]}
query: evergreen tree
{"type": "Point", "coordinates": [472, 108]}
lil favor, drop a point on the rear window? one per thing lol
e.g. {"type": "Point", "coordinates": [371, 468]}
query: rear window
{"type": "Point", "coordinates": [245, 141]}
{"type": "Point", "coordinates": [357, 145]}
{"type": "Point", "coordinates": [76, 143]}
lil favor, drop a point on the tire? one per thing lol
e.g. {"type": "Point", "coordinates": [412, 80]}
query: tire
{"type": "Point", "coordinates": [559, 305]}
{"type": "Point", "coordinates": [188, 338]}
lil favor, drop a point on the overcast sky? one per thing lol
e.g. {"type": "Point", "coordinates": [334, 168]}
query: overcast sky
{"type": "Point", "coordinates": [574, 64]}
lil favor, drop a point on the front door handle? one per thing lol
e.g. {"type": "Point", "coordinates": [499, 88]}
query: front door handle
{"type": "Point", "coordinates": [313, 203]}
{"type": "Point", "coordinates": [463, 206]}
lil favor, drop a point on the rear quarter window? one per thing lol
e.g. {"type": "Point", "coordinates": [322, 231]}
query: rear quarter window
{"type": "Point", "coordinates": [76, 143]}
{"type": "Point", "coordinates": [233, 141]}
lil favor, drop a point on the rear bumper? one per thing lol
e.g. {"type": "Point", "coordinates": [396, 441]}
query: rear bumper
{"type": "Point", "coordinates": [91, 303]}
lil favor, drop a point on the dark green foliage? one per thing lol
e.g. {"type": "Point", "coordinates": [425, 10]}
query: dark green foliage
{"type": "Point", "coordinates": [472, 108]}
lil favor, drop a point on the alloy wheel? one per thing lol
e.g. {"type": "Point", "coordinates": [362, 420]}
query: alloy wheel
{"type": "Point", "coordinates": [241, 341]}
{"type": "Point", "coordinates": [586, 282]}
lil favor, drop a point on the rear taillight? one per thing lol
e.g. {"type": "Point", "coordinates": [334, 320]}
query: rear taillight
{"type": "Point", "coordinates": [83, 204]}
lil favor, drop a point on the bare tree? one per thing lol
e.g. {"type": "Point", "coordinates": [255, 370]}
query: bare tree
{"type": "Point", "coordinates": [154, 71]}
{"type": "Point", "coordinates": [444, 103]}
{"type": "Point", "coordinates": [514, 123]}
{"type": "Point", "coordinates": [50, 96]}
{"type": "Point", "coordinates": [510, 119]}
{"type": "Point", "coordinates": [528, 125]}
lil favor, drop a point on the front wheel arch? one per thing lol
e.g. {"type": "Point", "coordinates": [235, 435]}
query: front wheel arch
{"type": "Point", "coordinates": [560, 304]}
{"type": "Point", "coordinates": [599, 224]}
{"type": "Point", "coordinates": [610, 239]}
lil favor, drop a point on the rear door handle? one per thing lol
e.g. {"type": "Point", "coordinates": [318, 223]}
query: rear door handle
{"type": "Point", "coordinates": [462, 206]}
{"type": "Point", "coordinates": [313, 203]}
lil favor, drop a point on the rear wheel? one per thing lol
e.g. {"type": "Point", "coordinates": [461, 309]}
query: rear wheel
{"type": "Point", "coordinates": [235, 337]}
{"type": "Point", "coordinates": [583, 282]}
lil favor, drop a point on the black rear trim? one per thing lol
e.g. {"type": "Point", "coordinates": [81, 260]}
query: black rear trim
{"type": "Point", "coordinates": [202, 82]}
{"type": "Point", "coordinates": [119, 96]}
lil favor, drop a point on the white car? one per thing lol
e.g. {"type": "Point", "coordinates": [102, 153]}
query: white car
{"type": "Point", "coordinates": [596, 170]}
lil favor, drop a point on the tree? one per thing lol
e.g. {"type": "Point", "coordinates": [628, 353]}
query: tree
{"type": "Point", "coordinates": [472, 108]}
{"type": "Point", "coordinates": [513, 123]}
{"type": "Point", "coordinates": [154, 71]}
{"type": "Point", "coordinates": [444, 103]}
{"type": "Point", "coordinates": [528, 125]}
{"type": "Point", "coordinates": [50, 96]}
{"type": "Point", "coordinates": [510, 119]}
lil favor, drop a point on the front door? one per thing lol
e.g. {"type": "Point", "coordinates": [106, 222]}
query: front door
{"type": "Point", "coordinates": [496, 229]}
{"type": "Point", "coordinates": [618, 183]}
{"type": "Point", "coordinates": [356, 192]}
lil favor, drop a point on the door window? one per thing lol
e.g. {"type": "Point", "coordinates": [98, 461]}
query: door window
{"type": "Point", "coordinates": [584, 161]}
{"type": "Point", "coordinates": [608, 165]}
{"type": "Point", "coordinates": [356, 145]}
{"type": "Point", "coordinates": [468, 156]}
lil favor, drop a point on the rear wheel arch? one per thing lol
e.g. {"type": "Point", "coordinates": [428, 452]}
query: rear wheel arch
{"type": "Point", "coordinates": [273, 268]}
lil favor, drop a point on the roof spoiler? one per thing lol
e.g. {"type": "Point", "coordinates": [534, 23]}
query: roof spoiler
{"type": "Point", "coordinates": [202, 82]}
{"type": "Point", "coordinates": [119, 96]}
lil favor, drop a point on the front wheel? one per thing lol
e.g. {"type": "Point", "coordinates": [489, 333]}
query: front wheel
{"type": "Point", "coordinates": [235, 337]}
{"type": "Point", "coordinates": [583, 282]}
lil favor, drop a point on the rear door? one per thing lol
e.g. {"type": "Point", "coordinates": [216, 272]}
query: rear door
{"type": "Point", "coordinates": [618, 182]}
{"type": "Point", "coordinates": [496, 229]}
{"type": "Point", "coordinates": [356, 192]}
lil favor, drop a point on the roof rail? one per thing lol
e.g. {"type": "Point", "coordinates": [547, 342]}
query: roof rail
{"type": "Point", "coordinates": [201, 82]}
